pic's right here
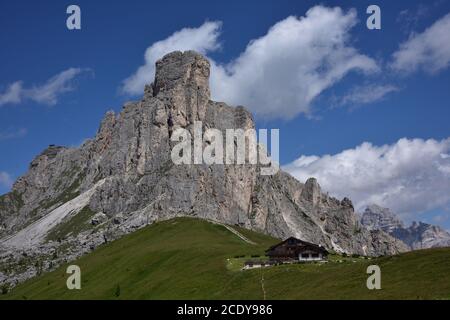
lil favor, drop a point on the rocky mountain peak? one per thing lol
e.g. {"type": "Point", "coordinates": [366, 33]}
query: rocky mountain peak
{"type": "Point", "coordinates": [346, 202]}
{"type": "Point", "coordinates": [40, 162]}
{"type": "Point", "coordinates": [48, 154]}
{"type": "Point", "coordinates": [52, 150]}
{"type": "Point", "coordinates": [417, 224]}
{"type": "Point", "coordinates": [379, 218]}
{"type": "Point", "coordinates": [181, 86]}
{"type": "Point", "coordinates": [312, 191]}
{"type": "Point", "coordinates": [418, 235]}
{"type": "Point", "coordinates": [182, 70]}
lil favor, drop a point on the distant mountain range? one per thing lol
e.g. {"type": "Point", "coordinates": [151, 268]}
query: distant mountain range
{"type": "Point", "coordinates": [418, 235]}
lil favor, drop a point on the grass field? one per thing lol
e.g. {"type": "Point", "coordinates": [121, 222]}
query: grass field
{"type": "Point", "coordinates": [193, 259]}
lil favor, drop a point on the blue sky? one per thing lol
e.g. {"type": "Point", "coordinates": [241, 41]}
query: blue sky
{"type": "Point", "coordinates": [56, 84]}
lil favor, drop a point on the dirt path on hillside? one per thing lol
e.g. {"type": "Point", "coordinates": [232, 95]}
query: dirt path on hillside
{"type": "Point", "coordinates": [237, 233]}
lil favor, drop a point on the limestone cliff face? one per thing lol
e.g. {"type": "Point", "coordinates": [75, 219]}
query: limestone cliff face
{"type": "Point", "coordinates": [127, 171]}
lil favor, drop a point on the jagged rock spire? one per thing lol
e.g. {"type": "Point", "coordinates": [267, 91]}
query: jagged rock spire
{"type": "Point", "coordinates": [311, 191]}
{"type": "Point", "coordinates": [182, 70]}
{"type": "Point", "coordinates": [182, 83]}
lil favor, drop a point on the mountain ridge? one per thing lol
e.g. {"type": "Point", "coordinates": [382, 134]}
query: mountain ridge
{"type": "Point", "coordinates": [418, 235]}
{"type": "Point", "coordinates": [124, 179]}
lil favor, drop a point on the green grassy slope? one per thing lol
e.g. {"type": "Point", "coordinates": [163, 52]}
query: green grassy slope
{"type": "Point", "coordinates": [187, 259]}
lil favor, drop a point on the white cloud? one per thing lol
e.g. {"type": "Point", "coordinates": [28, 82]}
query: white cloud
{"type": "Point", "coordinates": [203, 39]}
{"type": "Point", "coordinates": [12, 94]}
{"type": "Point", "coordinates": [13, 134]}
{"type": "Point", "coordinates": [5, 179]}
{"type": "Point", "coordinates": [429, 50]}
{"type": "Point", "coordinates": [278, 74]}
{"type": "Point", "coordinates": [47, 93]}
{"type": "Point", "coordinates": [409, 176]}
{"type": "Point", "coordinates": [366, 94]}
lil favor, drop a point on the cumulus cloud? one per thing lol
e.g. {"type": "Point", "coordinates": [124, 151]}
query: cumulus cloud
{"type": "Point", "coordinates": [13, 134]}
{"type": "Point", "coordinates": [366, 94]}
{"type": "Point", "coordinates": [203, 39]}
{"type": "Point", "coordinates": [282, 72]}
{"type": "Point", "coordinates": [5, 180]}
{"type": "Point", "coordinates": [46, 93]}
{"type": "Point", "coordinates": [278, 74]}
{"type": "Point", "coordinates": [428, 51]}
{"type": "Point", "coordinates": [409, 176]}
